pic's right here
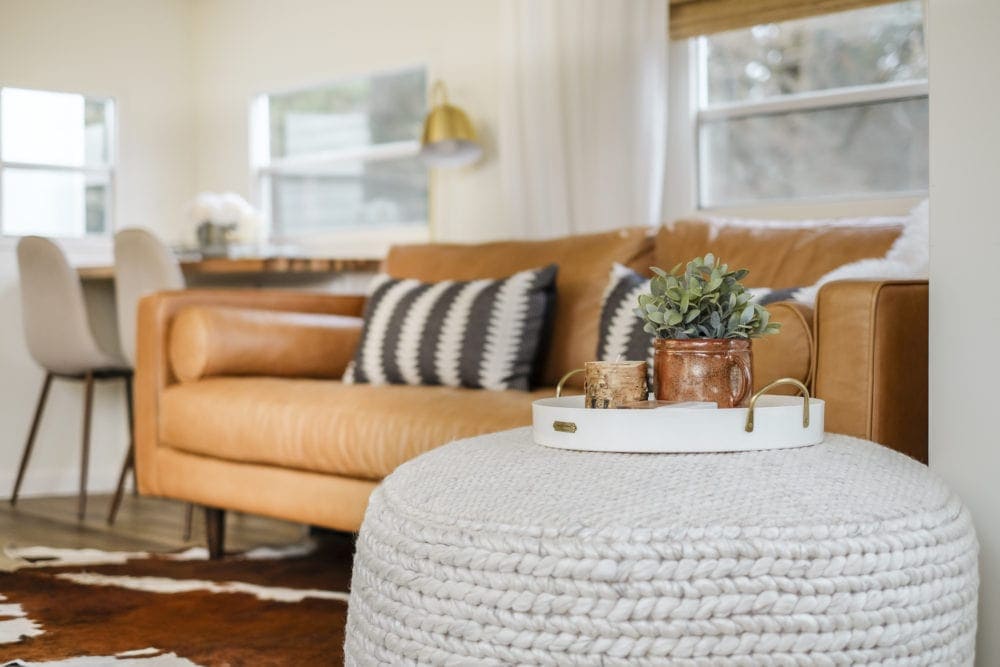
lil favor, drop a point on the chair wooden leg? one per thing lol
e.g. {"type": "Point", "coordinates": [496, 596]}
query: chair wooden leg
{"type": "Point", "coordinates": [188, 521]}
{"type": "Point", "coordinates": [116, 501]}
{"type": "Point", "coordinates": [88, 404]}
{"type": "Point", "coordinates": [129, 462]}
{"type": "Point", "coordinates": [215, 528]}
{"type": "Point", "coordinates": [36, 420]}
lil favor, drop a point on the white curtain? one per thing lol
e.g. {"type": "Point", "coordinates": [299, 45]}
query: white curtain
{"type": "Point", "coordinates": [583, 114]}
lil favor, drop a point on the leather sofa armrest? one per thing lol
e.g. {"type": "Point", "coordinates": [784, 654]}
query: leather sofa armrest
{"type": "Point", "coordinates": [213, 340]}
{"type": "Point", "coordinates": [153, 372]}
{"type": "Point", "coordinates": [871, 361]}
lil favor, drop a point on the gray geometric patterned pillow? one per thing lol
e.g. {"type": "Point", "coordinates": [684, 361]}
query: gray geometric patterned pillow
{"type": "Point", "coordinates": [480, 334]}
{"type": "Point", "coordinates": [766, 295]}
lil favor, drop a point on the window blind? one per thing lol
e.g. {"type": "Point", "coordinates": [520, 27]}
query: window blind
{"type": "Point", "coordinates": [690, 18]}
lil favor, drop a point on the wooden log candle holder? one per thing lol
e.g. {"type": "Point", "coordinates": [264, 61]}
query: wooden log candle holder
{"type": "Point", "coordinates": [613, 384]}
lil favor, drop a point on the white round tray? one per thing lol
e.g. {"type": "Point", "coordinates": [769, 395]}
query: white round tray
{"type": "Point", "coordinates": [777, 424]}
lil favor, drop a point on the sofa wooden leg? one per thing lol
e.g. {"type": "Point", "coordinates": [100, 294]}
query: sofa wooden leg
{"type": "Point", "coordinates": [215, 527]}
{"type": "Point", "coordinates": [188, 521]}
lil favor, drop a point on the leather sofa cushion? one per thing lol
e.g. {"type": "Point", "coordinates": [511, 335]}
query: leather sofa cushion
{"type": "Point", "coordinates": [360, 431]}
{"type": "Point", "coordinates": [366, 431]}
{"type": "Point", "coordinates": [215, 340]}
{"type": "Point", "coordinates": [584, 264]}
{"type": "Point", "coordinates": [779, 254]}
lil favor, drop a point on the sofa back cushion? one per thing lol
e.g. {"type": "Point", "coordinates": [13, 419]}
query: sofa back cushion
{"type": "Point", "coordinates": [779, 254]}
{"type": "Point", "coordinates": [584, 263]}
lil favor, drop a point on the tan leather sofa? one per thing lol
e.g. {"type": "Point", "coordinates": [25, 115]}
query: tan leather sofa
{"type": "Point", "coordinates": [239, 405]}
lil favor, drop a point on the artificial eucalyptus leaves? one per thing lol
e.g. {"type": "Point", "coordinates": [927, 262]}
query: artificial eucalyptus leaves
{"type": "Point", "coordinates": [705, 300]}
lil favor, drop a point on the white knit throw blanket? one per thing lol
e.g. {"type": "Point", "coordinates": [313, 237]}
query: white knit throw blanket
{"type": "Point", "coordinates": [495, 550]}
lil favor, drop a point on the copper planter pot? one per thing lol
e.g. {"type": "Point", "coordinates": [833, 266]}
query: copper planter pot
{"type": "Point", "coordinates": [703, 369]}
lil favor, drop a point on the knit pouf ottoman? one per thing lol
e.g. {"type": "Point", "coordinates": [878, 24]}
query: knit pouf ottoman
{"type": "Point", "coordinates": [496, 550]}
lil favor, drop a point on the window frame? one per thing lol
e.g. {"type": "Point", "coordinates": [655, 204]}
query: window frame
{"type": "Point", "coordinates": [108, 169]}
{"type": "Point", "coordinates": [263, 167]}
{"type": "Point", "coordinates": [689, 109]}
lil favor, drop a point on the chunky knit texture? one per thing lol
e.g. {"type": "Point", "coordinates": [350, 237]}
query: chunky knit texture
{"type": "Point", "coordinates": [495, 550]}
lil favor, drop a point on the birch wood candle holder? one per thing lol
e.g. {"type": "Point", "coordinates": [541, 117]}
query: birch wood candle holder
{"type": "Point", "coordinates": [612, 384]}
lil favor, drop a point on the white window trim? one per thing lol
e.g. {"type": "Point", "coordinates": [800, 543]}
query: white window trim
{"type": "Point", "coordinates": [108, 170]}
{"type": "Point", "coordinates": [263, 166]}
{"type": "Point", "coordinates": [687, 110]}
{"type": "Point", "coordinates": [316, 162]}
{"type": "Point", "coordinates": [812, 101]}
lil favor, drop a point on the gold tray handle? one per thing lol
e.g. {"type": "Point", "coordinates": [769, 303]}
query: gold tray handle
{"type": "Point", "coordinates": [764, 390]}
{"type": "Point", "coordinates": [562, 380]}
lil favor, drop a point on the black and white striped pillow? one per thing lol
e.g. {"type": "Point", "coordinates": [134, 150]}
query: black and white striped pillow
{"type": "Point", "coordinates": [621, 335]}
{"type": "Point", "coordinates": [480, 334]}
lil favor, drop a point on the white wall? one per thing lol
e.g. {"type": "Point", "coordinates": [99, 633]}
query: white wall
{"type": "Point", "coordinates": [245, 47]}
{"type": "Point", "coordinates": [139, 53]}
{"type": "Point", "coordinates": [965, 246]}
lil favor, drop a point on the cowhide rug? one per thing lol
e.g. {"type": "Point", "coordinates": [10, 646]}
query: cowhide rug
{"type": "Point", "coordinates": [89, 608]}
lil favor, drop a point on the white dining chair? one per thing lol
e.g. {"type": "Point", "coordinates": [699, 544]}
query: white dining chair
{"type": "Point", "coordinates": [60, 338]}
{"type": "Point", "coordinates": [143, 265]}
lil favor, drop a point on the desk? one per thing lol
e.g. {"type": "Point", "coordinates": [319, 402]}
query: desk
{"type": "Point", "coordinates": [345, 276]}
{"type": "Point", "coordinates": [220, 267]}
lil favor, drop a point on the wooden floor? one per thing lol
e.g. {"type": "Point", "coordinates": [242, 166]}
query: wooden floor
{"type": "Point", "coordinates": [144, 524]}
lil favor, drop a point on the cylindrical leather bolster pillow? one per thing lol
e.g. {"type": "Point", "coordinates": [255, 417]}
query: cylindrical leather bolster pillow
{"type": "Point", "coordinates": [789, 353]}
{"type": "Point", "coordinates": [208, 341]}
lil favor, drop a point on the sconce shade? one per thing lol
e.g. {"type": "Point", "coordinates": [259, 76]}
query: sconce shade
{"type": "Point", "coordinates": [449, 140]}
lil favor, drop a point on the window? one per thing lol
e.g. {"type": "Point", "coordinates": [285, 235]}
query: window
{"type": "Point", "coordinates": [56, 163]}
{"type": "Point", "coordinates": [824, 108]}
{"type": "Point", "coordinates": [343, 156]}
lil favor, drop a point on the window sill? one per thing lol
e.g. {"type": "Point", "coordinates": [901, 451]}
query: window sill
{"type": "Point", "coordinates": [860, 208]}
{"type": "Point", "coordinates": [350, 243]}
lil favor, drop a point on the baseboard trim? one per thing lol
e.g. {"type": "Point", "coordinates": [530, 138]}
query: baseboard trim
{"type": "Point", "coordinates": [57, 482]}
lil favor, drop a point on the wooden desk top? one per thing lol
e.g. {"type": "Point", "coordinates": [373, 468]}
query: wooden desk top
{"type": "Point", "coordinates": [252, 265]}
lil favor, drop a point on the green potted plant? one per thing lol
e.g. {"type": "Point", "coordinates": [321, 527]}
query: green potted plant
{"type": "Point", "coordinates": [703, 319]}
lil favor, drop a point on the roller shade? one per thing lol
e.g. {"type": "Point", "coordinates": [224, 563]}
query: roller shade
{"type": "Point", "coordinates": [690, 18]}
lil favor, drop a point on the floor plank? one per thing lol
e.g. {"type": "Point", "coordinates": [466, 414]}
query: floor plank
{"type": "Point", "coordinates": [149, 524]}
